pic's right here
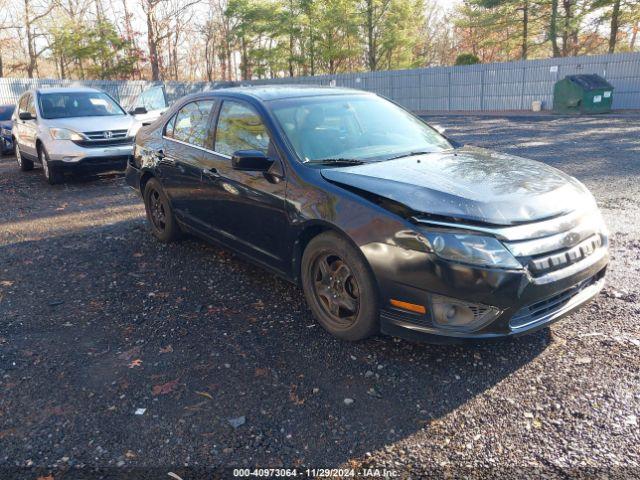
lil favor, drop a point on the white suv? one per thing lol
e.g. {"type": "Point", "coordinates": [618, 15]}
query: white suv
{"type": "Point", "coordinates": [72, 130]}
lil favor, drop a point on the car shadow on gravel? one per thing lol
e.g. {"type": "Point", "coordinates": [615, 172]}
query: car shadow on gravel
{"type": "Point", "coordinates": [224, 357]}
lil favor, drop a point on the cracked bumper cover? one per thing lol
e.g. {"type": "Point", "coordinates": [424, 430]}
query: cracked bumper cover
{"type": "Point", "coordinates": [415, 276]}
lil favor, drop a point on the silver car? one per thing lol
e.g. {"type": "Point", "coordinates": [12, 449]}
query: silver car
{"type": "Point", "coordinates": [72, 130]}
{"type": "Point", "coordinates": [150, 105]}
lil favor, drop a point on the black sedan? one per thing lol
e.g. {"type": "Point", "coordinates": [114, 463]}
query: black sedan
{"type": "Point", "coordinates": [385, 223]}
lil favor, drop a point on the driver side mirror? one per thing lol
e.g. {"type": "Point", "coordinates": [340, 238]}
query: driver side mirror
{"type": "Point", "coordinates": [138, 111]}
{"type": "Point", "coordinates": [26, 116]}
{"type": "Point", "coordinates": [251, 160]}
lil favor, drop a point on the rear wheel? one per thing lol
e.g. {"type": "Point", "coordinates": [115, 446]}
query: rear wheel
{"type": "Point", "coordinates": [51, 173]}
{"type": "Point", "coordinates": [24, 164]}
{"type": "Point", "coordinates": [159, 213]}
{"type": "Point", "coordinates": [340, 288]}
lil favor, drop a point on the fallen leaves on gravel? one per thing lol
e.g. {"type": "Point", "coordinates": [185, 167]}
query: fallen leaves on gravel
{"type": "Point", "coordinates": [7, 433]}
{"type": "Point", "coordinates": [129, 354]}
{"type": "Point", "coordinates": [196, 407]}
{"type": "Point", "coordinates": [165, 388]}
{"type": "Point", "coordinates": [56, 410]}
{"type": "Point", "coordinates": [135, 363]}
{"type": "Point", "coordinates": [204, 394]}
{"type": "Point", "coordinates": [293, 395]}
{"type": "Point", "coordinates": [167, 349]}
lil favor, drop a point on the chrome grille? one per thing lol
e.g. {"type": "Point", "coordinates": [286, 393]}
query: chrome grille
{"type": "Point", "coordinates": [105, 138]}
{"type": "Point", "coordinates": [572, 242]}
{"type": "Point", "coordinates": [106, 134]}
{"type": "Point", "coordinates": [546, 263]}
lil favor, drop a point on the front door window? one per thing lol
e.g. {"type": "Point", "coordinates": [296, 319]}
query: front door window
{"type": "Point", "coordinates": [240, 128]}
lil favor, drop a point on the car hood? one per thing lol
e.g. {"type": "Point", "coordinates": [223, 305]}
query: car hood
{"type": "Point", "coordinates": [93, 124]}
{"type": "Point", "coordinates": [469, 183]}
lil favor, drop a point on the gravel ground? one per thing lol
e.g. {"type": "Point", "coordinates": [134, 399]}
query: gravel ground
{"type": "Point", "coordinates": [118, 352]}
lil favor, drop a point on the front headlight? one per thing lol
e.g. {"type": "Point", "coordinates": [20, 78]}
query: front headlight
{"type": "Point", "coordinates": [65, 134]}
{"type": "Point", "coordinates": [473, 249]}
{"type": "Point", "coordinates": [5, 132]}
{"type": "Point", "coordinates": [133, 129]}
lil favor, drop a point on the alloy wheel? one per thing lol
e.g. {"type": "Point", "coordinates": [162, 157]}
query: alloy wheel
{"type": "Point", "coordinates": [157, 210]}
{"type": "Point", "coordinates": [336, 289]}
{"type": "Point", "coordinates": [44, 163]}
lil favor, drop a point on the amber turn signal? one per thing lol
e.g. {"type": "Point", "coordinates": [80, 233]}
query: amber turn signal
{"type": "Point", "coordinates": [412, 307]}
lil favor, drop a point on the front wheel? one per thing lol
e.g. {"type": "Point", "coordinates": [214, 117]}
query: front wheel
{"type": "Point", "coordinates": [159, 212]}
{"type": "Point", "coordinates": [51, 173]}
{"type": "Point", "coordinates": [340, 288]}
{"type": "Point", "coordinates": [24, 164]}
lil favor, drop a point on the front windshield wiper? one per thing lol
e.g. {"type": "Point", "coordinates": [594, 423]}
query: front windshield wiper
{"type": "Point", "coordinates": [410, 154]}
{"type": "Point", "coordinates": [335, 161]}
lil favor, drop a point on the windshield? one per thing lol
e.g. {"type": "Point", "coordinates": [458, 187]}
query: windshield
{"type": "Point", "coordinates": [78, 104]}
{"type": "Point", "coordinates": [6, 111]}
{"type": "Point", "coordinates": [353, 127]}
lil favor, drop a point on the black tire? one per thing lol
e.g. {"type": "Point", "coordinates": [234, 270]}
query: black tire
{"type": "Point", "coordinates": [159, 213]}
{"type": "Point", "coordinates": [340, 288]}
{"type": "Point", "coordinates": [24, 164]}
{"type": "Point", "coordinates": [52, 174]}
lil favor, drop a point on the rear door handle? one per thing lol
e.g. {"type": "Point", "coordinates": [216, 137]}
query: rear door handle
{"type": "Point", "coordinates": [162, 158]}
{"type": "Point", "coordinates": [211, 173]}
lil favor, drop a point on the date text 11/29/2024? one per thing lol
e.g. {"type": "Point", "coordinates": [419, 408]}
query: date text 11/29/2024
{"type": "Point", "coordinates": [314, 473]}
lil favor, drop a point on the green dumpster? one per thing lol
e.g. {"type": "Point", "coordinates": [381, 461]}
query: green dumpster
{"type": "Point", "coordinates": [582, 94]}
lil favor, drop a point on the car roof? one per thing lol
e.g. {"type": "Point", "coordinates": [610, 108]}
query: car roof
{"type": "Point", "coordinates": [277, 92]}
{"type": "Point", "coordinates": [44, 91]}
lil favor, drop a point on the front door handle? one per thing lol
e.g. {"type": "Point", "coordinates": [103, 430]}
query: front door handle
{"type": "Point", "coordinates": [211, 173]}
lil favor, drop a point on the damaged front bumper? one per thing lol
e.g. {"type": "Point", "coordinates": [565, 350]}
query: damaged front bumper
{"type": "Point", "coordinates": [556, 279]}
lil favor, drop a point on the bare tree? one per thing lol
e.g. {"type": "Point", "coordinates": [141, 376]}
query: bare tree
{"type": "Point", "coordinates": [615, 25]}
{"type": "Point", "coordinates": [158, 15]}
{"type": "Point", "coordinates": [212, 39]}
{"type": "Point", "coordinates": [437, 42]}
{"type": "Point", "coordinates": [4, 25]}
{"type": "Point", "coordinates": [32, 13]}
{"type": "Point", "coordinates": [373, 12]}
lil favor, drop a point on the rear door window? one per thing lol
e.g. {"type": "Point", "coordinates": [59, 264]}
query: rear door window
{"type": "Point", "coordinates": [191, 124]}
